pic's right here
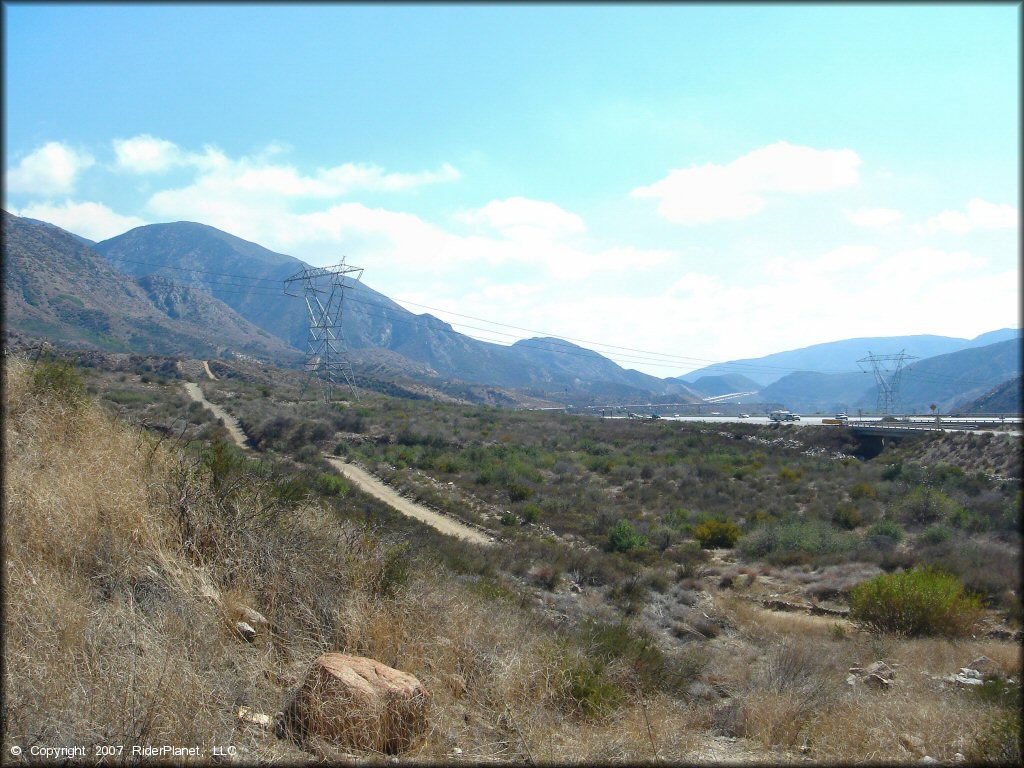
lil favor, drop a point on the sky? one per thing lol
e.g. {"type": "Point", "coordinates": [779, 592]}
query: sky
{"type": "Point", "coordinates": [670, 185]}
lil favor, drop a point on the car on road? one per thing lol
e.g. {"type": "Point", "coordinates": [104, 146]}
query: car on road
{"type": "Point", "coordinates": [744, 416]}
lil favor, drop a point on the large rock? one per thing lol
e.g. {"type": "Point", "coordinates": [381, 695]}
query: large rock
{"type": "Point", "coordinates": [361, 704]}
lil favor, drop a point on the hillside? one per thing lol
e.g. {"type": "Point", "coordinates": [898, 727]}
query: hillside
{"type": "Point", "coordinates": [824, 392]}
{"type": "Point", "coordinates": [948, 379]}
{"type": "Point", "coordinates": [1005, 398]}
{"type": "Point", "coordinates": [842, 356]}
{"type": "Point", "coordinates": [58, 288]}
{"type": "Point", "coordinates": [207, 259]}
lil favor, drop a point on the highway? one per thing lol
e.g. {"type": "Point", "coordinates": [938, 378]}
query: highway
{"type": "Point", "coordinates": [924, 423]}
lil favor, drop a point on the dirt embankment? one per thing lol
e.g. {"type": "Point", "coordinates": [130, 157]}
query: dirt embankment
{"type": "Point", "coordinates": [230, 422]}
{"type": "Point", "coordinates": [371, 485]}
{"type": "Point", "coordinates": [362, 479]}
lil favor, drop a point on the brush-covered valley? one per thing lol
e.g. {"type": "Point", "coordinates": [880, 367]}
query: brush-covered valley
{"type": "Point", "coordinates": [638, 591]}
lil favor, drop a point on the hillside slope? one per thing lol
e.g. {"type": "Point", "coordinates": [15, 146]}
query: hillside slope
{"type": "Point", "coordinates": [842, 356]}
{"type": "Point", "coordinates": [214, 261]}
{"type": "Point", "coordinates": [1005, 398]}
{"type": "Point", "coordinates": [58, 288]}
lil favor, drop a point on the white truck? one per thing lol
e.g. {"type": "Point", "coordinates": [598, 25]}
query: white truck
{"type": "Point", "coordinates": [783, 416]}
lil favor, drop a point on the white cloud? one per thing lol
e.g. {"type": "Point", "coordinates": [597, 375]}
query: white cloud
{"type": "Point", "coordinates": [979, 215]}
{"type": "Point", "coordinates": [873, 218]}
{"type": "Point", "coordinates": [147, 154]}
{"type": "Point", "coordinates": [52, 169]}
{"type": "Point", "coordinates": [711, 192]}
{"type": "Point", "coordinates": [521, 218]}
{"type": "Point", "coordinates": [257, 176]}
{"type": "Point", "coordinates": [92, 220]}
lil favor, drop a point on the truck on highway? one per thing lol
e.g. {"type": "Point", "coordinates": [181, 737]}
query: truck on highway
{"type": "Point", "coordinates": [783, 416]}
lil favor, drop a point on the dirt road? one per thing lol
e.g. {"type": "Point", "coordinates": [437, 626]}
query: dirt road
{"type": "Point", "coordinates": [371, 485]}
{"type": "Point", "coordinates": [206, 367]}
{"type": "Point", "coordinates": [230, 422]}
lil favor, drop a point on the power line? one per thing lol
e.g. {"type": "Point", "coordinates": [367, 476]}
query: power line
{"type": "Point", "coordinates": [558, 344]}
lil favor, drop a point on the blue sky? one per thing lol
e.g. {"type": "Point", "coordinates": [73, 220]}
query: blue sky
{"type": "Point", "coordinates": [708, 182]}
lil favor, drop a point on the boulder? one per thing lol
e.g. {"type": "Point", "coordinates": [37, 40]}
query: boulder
{"type": "Point", "coordinates": [250, 616]}
{"type": "Point", "coordinates": [251, 717]}
{"type": "Point", "coordinates": [245, 630]}
{"type": "Point", "coordinates": [360, 704]}
{"type": "Point", "coordinates": [877, 675]}
{"type": "Point", "coordinates": [984, 665]}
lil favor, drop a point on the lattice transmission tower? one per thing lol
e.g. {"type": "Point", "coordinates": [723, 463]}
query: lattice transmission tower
{"type": "Point", "coordinates": [324, 288]}
{"type": "Point", "coordinates": [888, 370]}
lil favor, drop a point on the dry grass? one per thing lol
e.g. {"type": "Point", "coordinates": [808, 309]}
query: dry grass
{"type": "Point", "coordinates": [125, 569]}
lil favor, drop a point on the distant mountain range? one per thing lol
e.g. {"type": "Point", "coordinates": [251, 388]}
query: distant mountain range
{"type": "Point", "coordinates": [943, 380]}
{"type": "Point", "coordinates": [842, 356]}
{"type": "Point", "coordinates": [188, 288]}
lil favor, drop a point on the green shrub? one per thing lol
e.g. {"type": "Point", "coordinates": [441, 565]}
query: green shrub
{"type": "Point", "coordinates": [887, 528]}
{"type": "Point", "coordinates": [717, 533]}
{"type": "Point", "coordinates": [531, 513]}
{"type": "Point", "coordinates": [622, 537]}
{"type": "Point", "coordinates": [926, 505]}
{"type": "Point", "coordinates": [332, 485]}
{"type": "Point", "coordinates": [788, 475]}
{"type": "Point", "coordinates": [999, 743]}
{"type": "Point", "coordinates": [509, 518]}
{"type": "Point", "coordinates": [847, 517]}
{"type": "Point", "coordinates": [58, 379]}
{"type": "Point", "coordinates": [936, 534]}
{"type": "Point", "coordinates": [795, 541]}
{"type": "Point", "coordinates": [922, 601]}
{"type": "Point", "coordinates": [862, 491]}
{"type": "Point", "coordinates": [588, 691]}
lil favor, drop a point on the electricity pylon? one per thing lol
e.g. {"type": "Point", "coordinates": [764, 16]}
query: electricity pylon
{"type": "Point", "coordinates": [888, 370]}
{"type": "Point", "coordinates": [323, 288]}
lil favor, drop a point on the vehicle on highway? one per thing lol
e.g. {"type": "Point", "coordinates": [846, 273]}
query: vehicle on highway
{"type": "Point", "coordinates": [744, 416]}
{"type": "Point", "coordinates": [783, 416]}
{"type": "Point", "coordinates": [842, 417]}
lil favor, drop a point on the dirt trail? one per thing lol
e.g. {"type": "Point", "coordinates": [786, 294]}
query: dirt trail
{"type": "Point", "coordinates": [371, 485]}
{"type": "Point", "coordinates": [206, 367]}
{"type": "Point", "coordinates": [230, 422]}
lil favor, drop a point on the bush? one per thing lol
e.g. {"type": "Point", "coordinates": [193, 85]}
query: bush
{"type": "Point", "coordinates": [622, 537]}
{"type": "Point", "coordinates": [588, 691]}
{"type": "Point", "coordinates": [717, 533]}
{"type": "Point", "coordinates": [796, 541]}
{"type": "Point", "coordinates": [531, 513]}
{"type": "Point", "coordinates": [936, 534]}
{"type": "Point", "coordinates": [847, 517]}
{"type": "Point", "coordinates": [59, 380]}
{"type": "Point", "coordinates": [886, 528]}
{"type": "Point", "coordinates": [923, 601]}
{"type": "Point", "coordinates": [925, 505]}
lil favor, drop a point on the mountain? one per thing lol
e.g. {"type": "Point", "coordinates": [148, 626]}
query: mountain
{"type": "Point", "coordinates": [810, 392]}
{"type": "Point", "coordinates": [250, 278]}
{"type": "Point", "coordinates": [58, 288]}
{"type": "Point", "coordinates": [726, 384]}
{"type": "Point", "coordinates": [943, 379]}
{"type": "Point", "coordinates": [79, 238]}
{"type": "Point", "coordinates": [842, 356]}
{"type": "Point", "coordinates": [948, 379]}
{"type": "Point", "coordinates": [1006, 398]}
